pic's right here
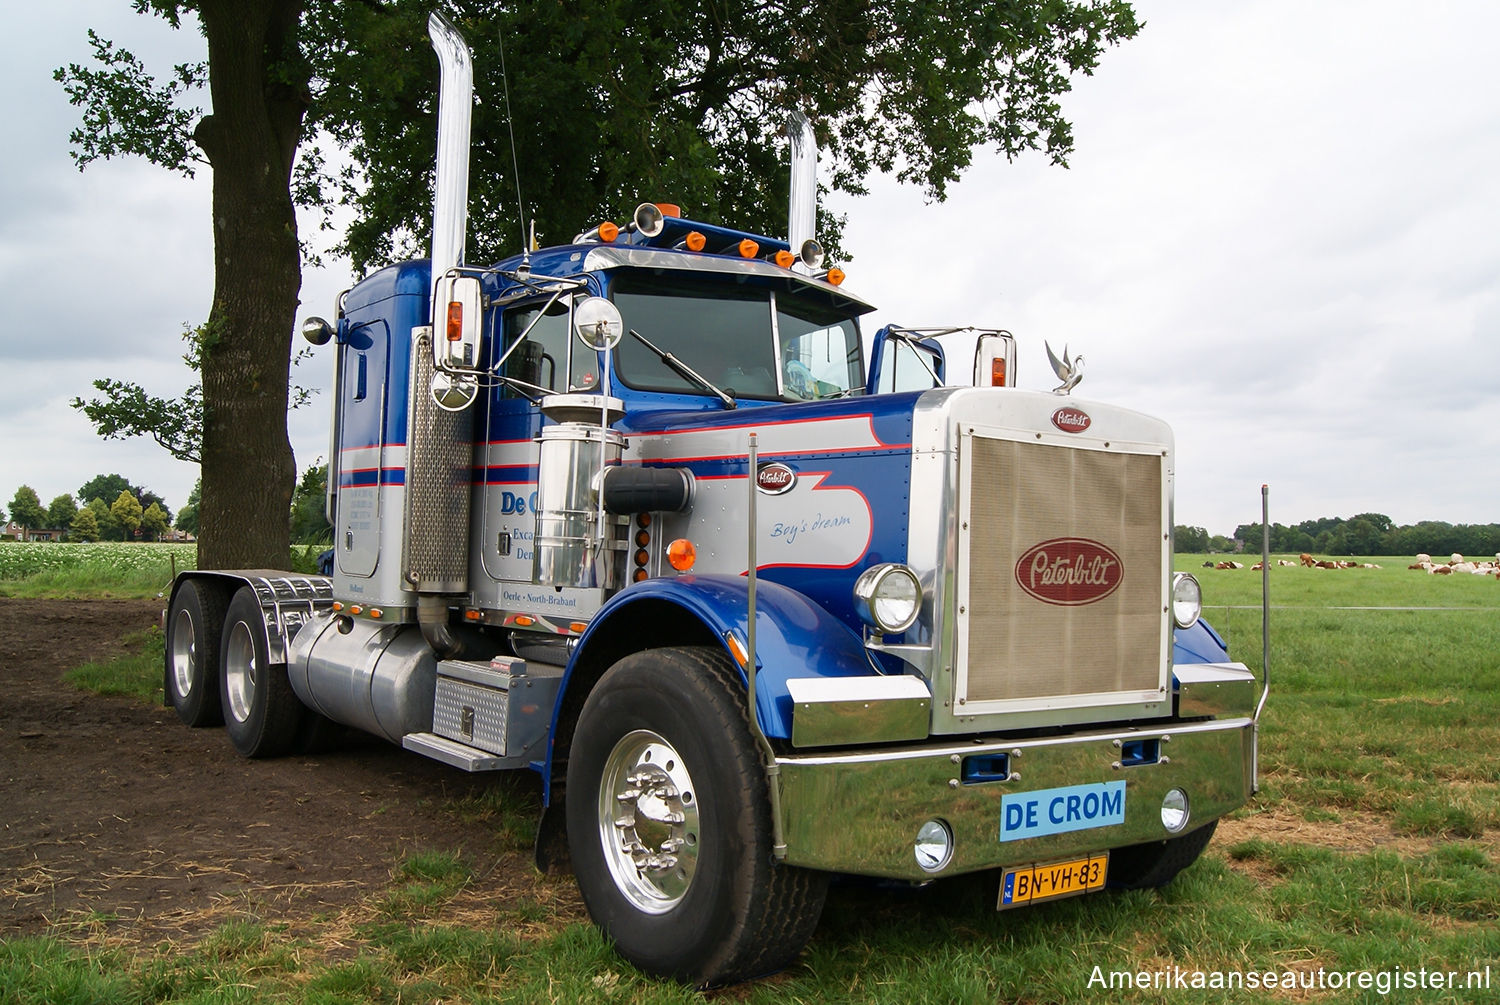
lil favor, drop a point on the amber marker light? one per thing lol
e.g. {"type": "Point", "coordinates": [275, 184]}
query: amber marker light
{"type": "Point", "coordinates": [785, 259]}
{"type": "Point", "coordinates": [836, 276]}
{"type": "Point", "coordinates": [748, 248]}
{"type": "Point", "coordinates": [376, 612]}
{"type": "Point", "coordinates": [670, 209]}
{"type": "Point", "coordinates": [472, 615]}
{"type": "Point", "coordinates": [681, 554]}
{"type": "Point", "coordinates": [695, 241]}
{"type": "Point", "coordinates": [338, 605]}
{"type": "Point", "coordinates": [608, 231]}
{"type": "Point", "coordinates": [736, 650]}
{"type": "Point", "coordinates": [455, 321]}
{"type": "Point", "coordinates": [641, 575]}
{"type": "Point", "coordinates": [524, 621]}
{"type": "Point", "coordinates": [356, 609]}
{"type": "Point", "coordinates": [641, 557]}
{"type": "Point", "coordinates": [578, 627]}
{"type": "Point", "coordinates": [997, 372]}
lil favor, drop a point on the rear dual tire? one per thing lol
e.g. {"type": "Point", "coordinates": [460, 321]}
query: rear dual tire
{"type": "Point", "coordinates": [261, 712]}
{"type": "Point", "coordinates": [194, 627]}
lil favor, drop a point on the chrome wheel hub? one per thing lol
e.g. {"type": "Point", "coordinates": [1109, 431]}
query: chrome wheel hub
{"type": "Point", "coordinates": [184, 653]}
{"type": "Point", "coordinates": [240, 671]}
{"type": "Point", "coordinates": [648, 821]}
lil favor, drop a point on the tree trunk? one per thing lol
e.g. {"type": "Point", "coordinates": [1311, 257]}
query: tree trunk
{"type": "Point", "coordinates": [257, 84]}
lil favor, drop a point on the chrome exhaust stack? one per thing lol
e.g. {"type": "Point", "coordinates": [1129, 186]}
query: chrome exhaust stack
{"type": "Point", "coordinates": [450, 200]}
{"type": "Point", "coordinates": [802, 212]}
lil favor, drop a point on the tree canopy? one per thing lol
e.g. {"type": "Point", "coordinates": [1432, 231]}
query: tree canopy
{"type": "Point", "coordinates": [610, 103]}
{"type": "Point", "coordinates": [26, 509]}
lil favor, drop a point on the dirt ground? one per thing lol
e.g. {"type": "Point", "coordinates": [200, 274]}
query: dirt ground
{"type": "Point", "coordinates": [117, 819]}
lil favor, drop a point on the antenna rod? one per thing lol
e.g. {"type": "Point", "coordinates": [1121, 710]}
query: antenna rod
{"type": "Point", "coordinates": [510, 126]}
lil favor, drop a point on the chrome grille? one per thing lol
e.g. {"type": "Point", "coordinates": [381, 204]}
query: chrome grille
{"type": "Point", "coordinates": [1023, 649]}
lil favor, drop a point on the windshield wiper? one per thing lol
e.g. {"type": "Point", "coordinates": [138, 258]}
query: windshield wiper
{"type": "Point", "coordinates": [685, 371]}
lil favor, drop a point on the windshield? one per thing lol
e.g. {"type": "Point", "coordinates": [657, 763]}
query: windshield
{"type": "Point", "coordinates": [750, 341]}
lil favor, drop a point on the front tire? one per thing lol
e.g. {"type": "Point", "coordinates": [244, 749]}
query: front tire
{"type": "Point", "coordinates": [191, 678]}
{"type": "Point", "coordinates": [261, 712]}
{"type": "Point", "coordinates": [669, 824]}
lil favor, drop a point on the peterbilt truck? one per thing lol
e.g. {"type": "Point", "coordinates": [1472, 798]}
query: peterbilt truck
{"type": "Point", "coordinates": [763, 598]}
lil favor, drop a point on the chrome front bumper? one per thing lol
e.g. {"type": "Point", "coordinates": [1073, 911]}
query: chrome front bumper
{"type": "Point", "coordinates": [859, 812]}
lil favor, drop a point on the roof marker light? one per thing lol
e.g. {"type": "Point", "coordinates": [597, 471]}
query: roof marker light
{"type": "Point", "coordinates": [748, 248]}
{"type": "Point", "coordinates": [695, 241]}
{"type": "Point", "coordinates": [784, 259]}
{"type": "Point", "coordinates": [608, 231]}
{"type": "Point", "coordinates": [836, 276]}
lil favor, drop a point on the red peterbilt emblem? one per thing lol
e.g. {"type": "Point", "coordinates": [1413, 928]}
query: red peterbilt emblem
{"type": "Point", "coordinates": [1070, 571]}
{"type": "Point", "coordinates": [774, 479]}
{"type": "Point", "coordinates": [1071, 420]}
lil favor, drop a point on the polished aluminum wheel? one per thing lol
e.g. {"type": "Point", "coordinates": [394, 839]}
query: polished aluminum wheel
{"type": "Point", "coordinates": [241, 673]}
{"type": "Point", "coordinates": [184, 653]}
{"type": "Point", "coordinates": [648, 821]}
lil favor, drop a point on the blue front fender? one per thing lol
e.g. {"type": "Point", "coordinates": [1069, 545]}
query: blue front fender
{"type": "Point", "coordinates": [794, 637]}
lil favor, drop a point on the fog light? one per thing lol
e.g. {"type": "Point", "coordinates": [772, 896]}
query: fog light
{"type": "Point", "coordinates": [934, 846]}
{"type": "Point", "coordinates": [1174, 810]}
{"type": "Point", "coordinates": [1187, 600]}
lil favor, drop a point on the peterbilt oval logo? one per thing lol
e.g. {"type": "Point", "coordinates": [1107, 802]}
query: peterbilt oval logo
{"type": "Point", "coordinates": [1071, 420]}
{"type": "Point", "coordinates": [1070, 571]}
{"type": "Point", "coordinates": [775, 479]}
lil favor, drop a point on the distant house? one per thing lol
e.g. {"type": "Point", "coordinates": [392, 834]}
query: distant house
{"type": "Point", "coordinates": [13, 531]}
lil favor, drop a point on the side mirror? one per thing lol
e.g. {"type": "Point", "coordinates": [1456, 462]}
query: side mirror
{"type": "Point", "coordinates": [995, 360]}
{"type": "Point", "coordinates": [598, 323]}
{"type": "Point", "coordinates": [457, 322]}
{"type": "Point", "coordinates": [317, 331]}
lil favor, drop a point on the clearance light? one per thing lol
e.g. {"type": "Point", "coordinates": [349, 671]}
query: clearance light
{"type": "Point", "coordinates": [643, 519]}
{"type": "Point", "coordinates": [356, 609]}
{"type": "Point", "coordinates": [641, 575]}
{"type": "Point", "coordinates": [338, 605]}
{"type": "Point", "coordinates": [376, 612]}
{"type": "Point", "coordinates": [524, 621]}
{"type": "Point", "coordinates": [642, 538]}
{"type": "Point", "coordinates": [641, 557]}
{"type": "Point", "coordinates": [748, 248]}
{"type": "Point", "coordinates": [736, 650]}
{"type": "Point", "coordinates": [472, 615]}
{"type": "Point", "coordinates": [997, 372]}
{"type": "Point", "coordinates": [578, 626]}
{"type": "Point", "coordinates": [681, 554]}
{"type": "Point", "coordinates": [785, 259]}
{"type": "Point", "coordinates": [455, 321]}
{"type": "Point", "coordinates": [608, 231]}
{"type": "Point", "coordinates": [695, 241]}
{"type": "Point", "coordinates": [670, 209]}
{"type": "Point", "coordinates": [836, 276]}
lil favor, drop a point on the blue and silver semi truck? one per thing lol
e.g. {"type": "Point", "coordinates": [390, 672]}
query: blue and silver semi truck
{"type": "Point", "coordinates": [761, 598]}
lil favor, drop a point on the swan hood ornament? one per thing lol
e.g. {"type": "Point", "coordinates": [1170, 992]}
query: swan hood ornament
{"type": "Point", "coordinates": [1069, 371]}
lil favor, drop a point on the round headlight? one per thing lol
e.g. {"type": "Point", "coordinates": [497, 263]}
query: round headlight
{"type": "Point", "coordinates": [1187, 600]}
{"type": "Point", "coordinates": [933, 846]}
{"type": "Point", "coordinates": [887, 597]}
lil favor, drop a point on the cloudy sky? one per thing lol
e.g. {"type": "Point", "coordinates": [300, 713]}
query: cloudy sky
{"type": "Point", "coordinates": [1278, 232]}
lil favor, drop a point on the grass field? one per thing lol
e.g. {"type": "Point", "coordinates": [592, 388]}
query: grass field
{"type": "Point", "coordinates": [1372, 849]}
{"type": "Point", "coordinates": [107, 568]}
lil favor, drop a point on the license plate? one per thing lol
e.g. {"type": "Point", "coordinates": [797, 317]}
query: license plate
{"type": "Point", "coordinates": [1029, 884]}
